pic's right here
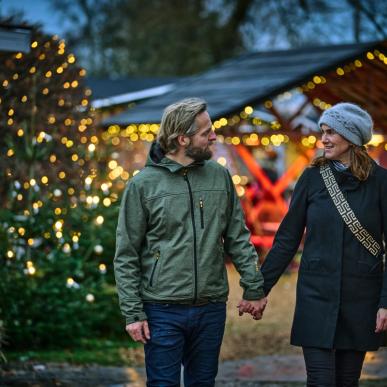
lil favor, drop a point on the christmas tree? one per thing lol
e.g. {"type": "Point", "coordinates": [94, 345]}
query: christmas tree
{"type": "Point", "coordinates": [58, 212]}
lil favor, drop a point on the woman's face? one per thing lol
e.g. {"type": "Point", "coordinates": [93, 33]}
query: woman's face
{"type": "Point", "coordinates": [336, 147]}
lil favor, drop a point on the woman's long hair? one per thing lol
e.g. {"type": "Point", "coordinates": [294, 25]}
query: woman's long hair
{"type": "Point", "coordinates": [360, 162]}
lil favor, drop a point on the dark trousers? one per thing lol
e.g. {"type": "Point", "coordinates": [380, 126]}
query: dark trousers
{"type": "Point", "coordinates": [183, 335]}
{"type": "Point", "coordinates": [333, 368]}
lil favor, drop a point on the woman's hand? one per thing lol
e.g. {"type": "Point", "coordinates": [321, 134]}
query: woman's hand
{"type": "Point", "coordinates": [381, 320]}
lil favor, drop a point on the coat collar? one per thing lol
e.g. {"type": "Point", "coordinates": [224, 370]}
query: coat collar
{"type": "Point", "coordinates": [157, 158]}
{"type": "Point", "coordinates": [345, 179]}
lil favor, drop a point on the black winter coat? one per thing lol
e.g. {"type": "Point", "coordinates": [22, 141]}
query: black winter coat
{"type": "Point", "coordinates": [340, 284]}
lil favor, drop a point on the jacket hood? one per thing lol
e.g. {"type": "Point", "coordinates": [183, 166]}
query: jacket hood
{"type": "Point", "coordinates": [157, 158]}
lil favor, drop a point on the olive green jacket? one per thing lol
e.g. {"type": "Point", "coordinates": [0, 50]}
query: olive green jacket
{"type": "Point", "coordinates": [175, 226]}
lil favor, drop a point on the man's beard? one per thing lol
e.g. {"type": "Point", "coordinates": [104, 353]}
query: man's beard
{"type": "Point", "coordinates": [198, 154]}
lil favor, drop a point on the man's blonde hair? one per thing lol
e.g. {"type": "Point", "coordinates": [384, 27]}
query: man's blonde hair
{"type": "Point", "coordinates": [179, 119]}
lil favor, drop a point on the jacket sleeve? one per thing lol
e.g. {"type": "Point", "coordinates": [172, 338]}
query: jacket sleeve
{"type": "Point", "coordinates": [383, 201]}
{"type": "Point", "coordinates": [288, 236]}
{"type": "Point", "coordinates": [129, 236]}
{"type": "Point", "coordinates": [238, 246]}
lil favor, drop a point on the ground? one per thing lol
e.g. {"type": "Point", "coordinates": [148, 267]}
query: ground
{"type": "Point", "coordinates": [254, 353]}
{"type": "Point", "coordinates": [245, 337]}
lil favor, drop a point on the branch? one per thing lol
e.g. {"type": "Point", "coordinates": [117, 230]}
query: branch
{"type": "Point", "coordinates": [371, 17]}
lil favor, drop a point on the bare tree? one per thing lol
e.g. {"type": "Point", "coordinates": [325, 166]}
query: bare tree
{"type": "Point", "coordinates": [174, 37]}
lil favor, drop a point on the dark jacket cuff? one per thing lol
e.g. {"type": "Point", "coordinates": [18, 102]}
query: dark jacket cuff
{"type": "Point", "coordinates": [383, 303]}
{"type": "Point", "coordinates": [135, 318]}
{"type": "Point", "coordinates": [252, 295]}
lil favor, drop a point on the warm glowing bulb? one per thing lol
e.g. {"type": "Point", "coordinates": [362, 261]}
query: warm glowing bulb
{"type": "Point", "coordinates": [99, 219]}
{"type": "Point", "coordinates": [31, 270]}
{"type": "Point", "coordinates": [66, 248]}
{"type": "Point", "coordinates": [248, 110]}
{"type": "Point", "coordinates": [236, 179]}
{"type": "Point", "coordinates": [90, 298]}
{"type": "Point", "coordinates": [112, 164]}
{"type": "Point", "coordinates": [222, 161]}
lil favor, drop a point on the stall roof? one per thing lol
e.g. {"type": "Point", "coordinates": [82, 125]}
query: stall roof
{"type": "Point", "coordinates": [15, 38]}
{"type": "Point", "coordinates": [248, 79]}
{"type": "Point", "coordinates": [110, 87]}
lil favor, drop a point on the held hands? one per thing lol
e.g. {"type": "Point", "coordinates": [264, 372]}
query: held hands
{"type": "Point", "coordinates": [255, 308]}
{"type": "Point", "coordinates": [381, 320]}
{"type": "Point", "coordinates": [139, 331]}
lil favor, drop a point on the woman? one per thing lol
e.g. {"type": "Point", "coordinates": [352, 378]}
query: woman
{"type": "Point", "coordinates": [341, 307]}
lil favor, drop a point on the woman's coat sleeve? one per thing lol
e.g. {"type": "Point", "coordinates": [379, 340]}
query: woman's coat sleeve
{"type": "Point", "coordinates": [288, 236]}
{"type": "Point", "coordinates": [383, 205]}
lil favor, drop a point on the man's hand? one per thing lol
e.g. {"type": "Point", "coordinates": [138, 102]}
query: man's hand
{"type": "Point", "coordinates": [381, 320]}
{"type": "Point", "coordinates": [255, 308]}
{"type": "Point", "coordinates": [139, 331]}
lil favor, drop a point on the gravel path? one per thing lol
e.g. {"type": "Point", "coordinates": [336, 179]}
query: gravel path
{"type": "Point", "coordinates": [265, 371]}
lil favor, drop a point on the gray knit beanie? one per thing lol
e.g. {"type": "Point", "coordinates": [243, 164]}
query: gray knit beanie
{"type": "Point", "coordinates": [350, 121]}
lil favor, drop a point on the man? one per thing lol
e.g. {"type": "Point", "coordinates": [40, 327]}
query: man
{"type": "Point", "coordinates": [178, 218]}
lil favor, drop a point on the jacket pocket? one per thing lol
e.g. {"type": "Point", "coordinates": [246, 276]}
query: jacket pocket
{"type": "Point", "coordinates": [157, 257]}
{"type": "Point", "coordinates": [315, 265]}
{"type": "Point", "coordinates": [370, 268]}
{"type": "Point", "coordinates": [201, 206]}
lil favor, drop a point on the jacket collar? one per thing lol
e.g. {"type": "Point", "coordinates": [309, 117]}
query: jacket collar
{"type": "Point", "coordinates": [345, 179]}
{"type": "Point", "coordinates": [157, 158]}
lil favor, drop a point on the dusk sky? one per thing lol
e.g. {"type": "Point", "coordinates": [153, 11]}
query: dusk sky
{"type": "Point", "coordinates": [35, 11]}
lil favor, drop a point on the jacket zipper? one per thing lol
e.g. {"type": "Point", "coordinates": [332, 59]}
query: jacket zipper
{"type": "Point", "coordinates": [194, 237]}
{"type": "Point", "coordinates": [154, 268]}
{"type": "Point", "coordinates": [201, 212]}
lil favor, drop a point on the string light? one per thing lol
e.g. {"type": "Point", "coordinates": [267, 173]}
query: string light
{"type": "Point", "coordinates": [117, 136]}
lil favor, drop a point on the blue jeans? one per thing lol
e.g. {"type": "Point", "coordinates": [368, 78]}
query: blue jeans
{"type": "Point", "coordinates": [183, 334]}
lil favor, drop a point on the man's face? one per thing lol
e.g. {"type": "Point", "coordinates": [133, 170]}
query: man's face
{"type": "Point", "coordinates": [199, 147]}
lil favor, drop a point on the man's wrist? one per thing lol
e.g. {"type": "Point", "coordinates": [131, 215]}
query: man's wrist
{"type": "Point", "coordinates": [141, 316]}
{"type": "Point", "coordinates": [253, 295]}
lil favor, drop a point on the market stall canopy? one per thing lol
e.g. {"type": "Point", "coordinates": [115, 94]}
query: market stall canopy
{"type": "Point", "coordinates": [252, 78]}
{"type": "Point", "coordinates": [15, 38]}
{"type": "Point", "coordinates": [107, 92]}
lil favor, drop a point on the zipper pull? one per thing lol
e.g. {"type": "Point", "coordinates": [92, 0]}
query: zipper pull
{"type": "Point", "coordinates": [201, 205]}
{"type": "Point", "coordinates": [157, 255]}
{"type": "Point", "coordinates": [185, 174]}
